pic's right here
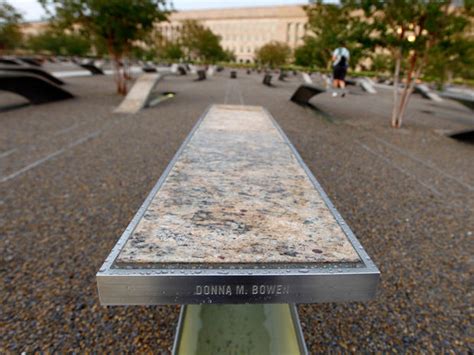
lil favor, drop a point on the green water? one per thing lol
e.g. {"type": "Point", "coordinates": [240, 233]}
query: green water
{"type": "Point", "coordinates": [238, 329]}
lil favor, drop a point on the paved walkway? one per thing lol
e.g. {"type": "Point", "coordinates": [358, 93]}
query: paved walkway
{"type": "Point", "coordinates": [73, 175]}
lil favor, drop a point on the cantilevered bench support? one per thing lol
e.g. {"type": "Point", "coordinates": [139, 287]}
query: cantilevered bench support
{"type": "Point", "coordinates": [32, 70]}
{"type": "Point", "coordinates": [305, 92]}
{"type": "Point", "coordinates": [32, 87]}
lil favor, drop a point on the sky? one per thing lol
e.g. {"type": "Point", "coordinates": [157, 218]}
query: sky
{"type": "Point", "coordinates": [33, 11]}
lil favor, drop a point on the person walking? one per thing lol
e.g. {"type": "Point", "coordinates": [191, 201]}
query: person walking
{"type": "Point", "coordinates": [340, 63]}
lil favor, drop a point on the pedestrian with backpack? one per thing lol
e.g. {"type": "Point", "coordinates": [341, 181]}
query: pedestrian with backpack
{"type": "Point", "coordinates": [340, 63]}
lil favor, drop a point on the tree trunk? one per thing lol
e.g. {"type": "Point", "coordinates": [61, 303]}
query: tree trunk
{"type": "Point", "coordinates": [403, 101]}
{"type": "Point", "coordinates": [396, 78]}
{"type": "Point", "coordinates": [118, 69]}
{"type": "Point", "coordinates": [409, 92]}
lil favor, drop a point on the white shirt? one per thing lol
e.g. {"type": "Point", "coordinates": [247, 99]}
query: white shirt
{"type": "Point", "coordinates": [339, 53]}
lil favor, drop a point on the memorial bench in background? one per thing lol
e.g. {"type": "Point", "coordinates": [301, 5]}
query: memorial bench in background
{"type": "Point", "coordinates": [92, 68]}
{"type": "Point", "coordinates": [201, 75]}
{"type": "Point", "coordinates": [138, 96]}
{"type": "Point", "coordinates": [149, 69]}
{"type": "Point", "coordinates": [305, 92]}
{"type": "Point", "coordinates": [465, 100]}
{"type": "Point", "coordinates": [32, 70]}
{"type": "Point", "coordinates": [32, 87]}
{"type": "Point", "coordinates": [267, 80]}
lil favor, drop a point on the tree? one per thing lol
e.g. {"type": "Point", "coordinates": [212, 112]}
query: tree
{"type": "Point", "coordinates": [59, 43]}
{"type": "Point", "coordinates": [330, 26]}
{"type": "Point", "coordinates": [451, 58]}
{"type": "Point", "coordinates": [310, 54]}
{"type": "Point", "coordinates": [229, 56]}
{"type": "Point", "coordinates": [273, 54]}
{"type": "Point", "coordinates": [411, 31]}
{"type": "Point", "coordinates": [382, 63]}
{"type": "Point", "coordinates": [116, 23]}
{"type": "Point", "coordinates": [172, 51]}
{"type": "Point", "coordinates": [10, 34]}
{"type": "Point", "coordinates": [201, 43]}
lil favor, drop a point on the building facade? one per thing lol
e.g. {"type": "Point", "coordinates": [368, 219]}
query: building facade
{"type": "Point", "coordinates": [244, 30]}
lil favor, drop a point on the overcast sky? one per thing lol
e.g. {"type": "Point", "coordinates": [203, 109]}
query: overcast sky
{"type": "Point", "coordinates": [33, 11]}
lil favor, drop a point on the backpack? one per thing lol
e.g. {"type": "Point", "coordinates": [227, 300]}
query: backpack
{"type": "Point", "coordinates": [342, 61]}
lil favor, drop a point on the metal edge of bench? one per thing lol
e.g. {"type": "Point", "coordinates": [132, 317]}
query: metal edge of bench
{"type": "Point", "coordinates": [301, 284]}
{"type": "Point", "coordinates": [294, 317]}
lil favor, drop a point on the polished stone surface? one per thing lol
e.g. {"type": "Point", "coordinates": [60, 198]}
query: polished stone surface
{"type": "Point", "coordinates": [237, 194]}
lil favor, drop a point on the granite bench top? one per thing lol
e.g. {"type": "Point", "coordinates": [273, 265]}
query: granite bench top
{"type": "Point", "coordinates": [237, 194]}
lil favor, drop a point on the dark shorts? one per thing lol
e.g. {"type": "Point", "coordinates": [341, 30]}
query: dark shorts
{"type": "Point", "coordinates": [339, 72]}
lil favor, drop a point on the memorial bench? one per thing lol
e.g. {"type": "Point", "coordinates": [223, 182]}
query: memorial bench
{"type": "Point", "coordinates": [306, 78]}
{"type": "Point", "coordinates": [267, 80]}
{"type": "Point", "coordinates": [237, 218]}
{"type": "Point", "coordinates": [149, 69]}
{"type": "Point", "coordinates": [94, 70]}
{"type": "Point", "coordinates": [139, 95]}
{"type": "Point", "coordinates": [30, 61]}
{"type": "Point", "coordinates": [201, 75]}
{"type": "Point", "coordinates": [181, 70]}
{"type": "Point", "coordinates": [11, 61]}
{"type": "Point", "coordinates": [427, 93]}
{"type": "Point", "coordinates": [465, 100]}
{"type": "Point", "coordinates": [32, 70]}
{"type": "Point", "coordinates": [305, 92]}
{"type": "Point", "coordinates": [33, 87]}
{"type": "Point", "coordinates": [365, 83]}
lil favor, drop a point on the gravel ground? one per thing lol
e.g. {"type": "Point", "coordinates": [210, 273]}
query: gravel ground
{"type": "Point", "coordinates": [73, 174]}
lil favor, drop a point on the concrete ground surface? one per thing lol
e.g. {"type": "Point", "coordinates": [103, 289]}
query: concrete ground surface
{"type": "Point", "coordinates": [73, 174]}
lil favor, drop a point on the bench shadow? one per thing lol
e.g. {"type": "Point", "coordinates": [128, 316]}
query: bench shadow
{"type": "Point", "coordinates": [320, 113]}
{"type": "Point", "coordinates": [12, 107]}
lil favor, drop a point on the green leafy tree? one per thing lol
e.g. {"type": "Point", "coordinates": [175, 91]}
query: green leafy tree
{"type": "Point", "coordinates": [382, 63]}
{"type": "Point", "coordinates": [172, 51]}
{"type": "Point", "coordinates": [59, 43]}
{"type": "Point", "coordinates": [229, 56]}
{"type": "Point", "coordinates": [452, 57]}
{"type": "Point", "coordinates": [330, 26]}
{"type": "Point", "coordinates": [273, 54]}
{"type": "Point", "coordinates": [10, 34]}
{"type": "Point", "coordinates": [116, 23]}
{"type": "Point", "coordinates": [310, 54]}
{"type": "Point", "coordinates": [412, 31]}
{"type": "Point", "coordinates": [201, 43]}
